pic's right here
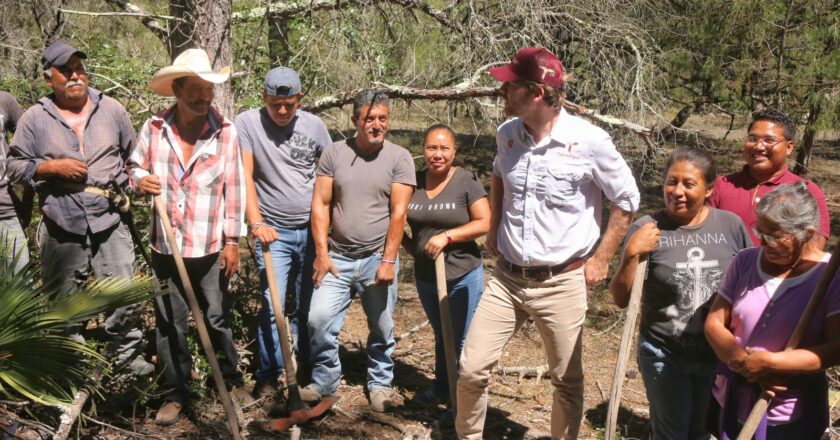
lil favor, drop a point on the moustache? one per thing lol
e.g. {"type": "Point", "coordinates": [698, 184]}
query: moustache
{"type": "Point", "coordinates": [74, 82]}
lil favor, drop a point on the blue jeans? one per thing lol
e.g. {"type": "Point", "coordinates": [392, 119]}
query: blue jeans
{"type": "Point", "coordinates": [463, 295]}
{"type": "Point", "coordinates": [292, 257]}
{"type": "Point", "coordinates": [678, 390]}
{"type": "Point", "coordinates": [326, 316]}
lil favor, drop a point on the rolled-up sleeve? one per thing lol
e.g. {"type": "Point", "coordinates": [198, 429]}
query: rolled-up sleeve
{"type": "Point", "coordinates": [138, 162]}
{"type": "Point", "coordinates": [234, 189]}
{"type": "Point", "coordinates": [613, 176]}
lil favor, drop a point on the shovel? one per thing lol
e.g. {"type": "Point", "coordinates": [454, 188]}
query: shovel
{"type": "Point", "coordinates": [219, 381]}
{"type": "Point", "coordinates": [446, 329]}
{"type": "Point", "coordinates": [624, 347]}
{"type": "Point", "coordinates": [298, 412]}
{"type": "Point", "coordinates": [760, 407]}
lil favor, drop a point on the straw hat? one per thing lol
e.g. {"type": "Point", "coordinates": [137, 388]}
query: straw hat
{"type": "Point", "coordinates": [191, 62]}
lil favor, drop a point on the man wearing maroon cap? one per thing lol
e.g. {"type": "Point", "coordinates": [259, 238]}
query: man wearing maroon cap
{"type": "Point", "coordinates": [549, 175]}
{"type": "Point", "coordinates": [769, 142]}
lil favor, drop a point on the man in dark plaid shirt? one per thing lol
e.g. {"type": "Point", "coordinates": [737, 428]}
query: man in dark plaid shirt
{"type": "Point", "coordinates": [71, 141]}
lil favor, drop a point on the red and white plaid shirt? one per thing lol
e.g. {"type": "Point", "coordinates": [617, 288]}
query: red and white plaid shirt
{"type": "Point", "coordinates": [205, 198]}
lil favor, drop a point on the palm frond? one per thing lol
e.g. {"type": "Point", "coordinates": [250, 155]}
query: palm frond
{"type": "Point", "coordinates": [37, 361]}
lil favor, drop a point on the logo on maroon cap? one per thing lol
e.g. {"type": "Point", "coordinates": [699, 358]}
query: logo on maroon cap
{"type": "Point", "coordinates": [534, 64]}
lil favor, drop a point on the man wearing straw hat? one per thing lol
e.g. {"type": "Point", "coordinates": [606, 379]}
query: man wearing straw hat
{"type": "Point", "coordinates": [71, 146]}
{"type": "Point", "coordinates": [189, 155]}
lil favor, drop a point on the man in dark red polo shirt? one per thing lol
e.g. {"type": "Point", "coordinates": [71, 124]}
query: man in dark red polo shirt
{"type": "Point", "coordinates": [768, 144]}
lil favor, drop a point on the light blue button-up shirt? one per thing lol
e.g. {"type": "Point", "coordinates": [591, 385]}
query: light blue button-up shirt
{"type": "Point", "coordinates": [552, 189]}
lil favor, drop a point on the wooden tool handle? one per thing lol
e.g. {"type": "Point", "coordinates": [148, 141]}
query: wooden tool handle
{"type": "Point", "coordinates": [625, 346]}
{"type": "Point", "coordinates": [446, 329]}
{"type": "Point", "coordinates": [203, 334]}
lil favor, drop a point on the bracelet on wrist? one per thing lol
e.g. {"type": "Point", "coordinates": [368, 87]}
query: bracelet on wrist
{"type": "Point", "coordinates": [448, 235]}
{"type": "Point", "coordinates": [255, 225]}
{"type": "Point", "coordinates": [232, 242]}
{"type": "Point", "coordinates": [385, 260]}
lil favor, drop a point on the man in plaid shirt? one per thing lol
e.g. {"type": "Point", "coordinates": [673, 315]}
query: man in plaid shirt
{"type": "Point", "coordinates": [189, 155]}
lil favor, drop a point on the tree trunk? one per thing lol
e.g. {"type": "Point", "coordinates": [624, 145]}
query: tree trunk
{"type": "Point", "coordinates": [803, 154]}
{"type": "Point", "coordinates": [278, 40]}
{"type": "Point", "coordinates": [207, 25]}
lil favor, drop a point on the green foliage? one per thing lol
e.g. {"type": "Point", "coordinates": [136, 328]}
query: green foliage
{"type": "Point", "coordinates": [37, 361]}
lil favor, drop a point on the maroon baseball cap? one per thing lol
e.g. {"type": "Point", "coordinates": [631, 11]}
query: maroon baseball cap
{"type": "Point", "coordinates": [533, 64]}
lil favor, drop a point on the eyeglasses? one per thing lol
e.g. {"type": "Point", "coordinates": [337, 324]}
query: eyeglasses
{"type": "Point", "coordinates": [767, 142]}
{"type": "Point", "coordinates": [769, 239]}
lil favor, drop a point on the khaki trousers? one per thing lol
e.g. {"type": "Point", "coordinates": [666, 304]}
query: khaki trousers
{"type": "Point", "coordinates": [558, 307]}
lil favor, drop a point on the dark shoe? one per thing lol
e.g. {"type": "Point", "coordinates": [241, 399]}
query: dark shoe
{"type": "Point", "coordinates": [310, 394]}
{"type": "Point", "coordinates": [169, 413]}
{"type": "Point", "coordinates": [264, 388]}
{"type": "Point", "coordinates": [428, 398]}
{"type": "Point", "coordinates": [380, 399]}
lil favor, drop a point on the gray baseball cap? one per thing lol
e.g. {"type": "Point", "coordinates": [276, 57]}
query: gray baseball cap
{"type": "Point", "coordinates": [58, 54]}
{"type": "Point", "coordinates": [282, 81]}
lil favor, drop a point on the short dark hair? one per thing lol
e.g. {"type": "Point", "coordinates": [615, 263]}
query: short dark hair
{"type": "Point", "coordinates": [369, 97]}
{"type": "Point", "coordinates": [436, 127]}
{"type": "Point", "coordinates": [554, 96]}
{"type": "Point", "coordinates": [699, 158]}
{"type": "Point", "coordinates": [777, 116]}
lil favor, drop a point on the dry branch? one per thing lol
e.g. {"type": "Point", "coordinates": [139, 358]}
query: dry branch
{"type": "Point", "coordinates": [148, 20]}
{"type": "Point", "coordinates": [70, 414]}
{"type": "Point", "coordinates": [286, 10]}
{"type": "Point", "coordinates": [540, 371]}
{"type": "Point", "coordinates": [120, 14]}
{"type": "Point", "coordinates": [412, 331]}
{"type": "Point", "coordinates": [460, 93]}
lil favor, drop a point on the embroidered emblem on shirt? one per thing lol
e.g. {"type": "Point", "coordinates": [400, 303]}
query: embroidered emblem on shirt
{"type": "Point", "coordinates": [510, 143]}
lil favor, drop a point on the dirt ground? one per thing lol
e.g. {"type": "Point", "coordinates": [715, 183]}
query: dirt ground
{"type": "Point", "coordinates": [519, 405]}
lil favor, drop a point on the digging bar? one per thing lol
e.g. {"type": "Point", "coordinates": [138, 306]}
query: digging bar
{"type": "Point", "coordinates": [298, 412]}
{"type": "Point", "coordinates": [624, 347]}
{"type": "Point", "coordinates": [219, 381]}
{"type": "Point", "coordinates": [446, 329]}
{"type": "Point", "coordinates": [760, 406]}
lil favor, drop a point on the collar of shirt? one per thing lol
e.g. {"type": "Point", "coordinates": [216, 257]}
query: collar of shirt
{"type": "Point", "coordinates": [213, 125]}
{"type": "Point", "coordinates": [559, 133]}
{"type": "Point", "coordinates": [783, 177]}
{"type": "Point", "coordinates": [48, 103]}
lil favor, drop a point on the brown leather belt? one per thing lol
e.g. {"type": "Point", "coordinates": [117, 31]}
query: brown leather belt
{"type": "Point", "coordinates": [540, 273]}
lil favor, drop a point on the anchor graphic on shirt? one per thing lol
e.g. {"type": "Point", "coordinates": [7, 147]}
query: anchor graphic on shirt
{"type": "Point", "coordinates": [696, 279]}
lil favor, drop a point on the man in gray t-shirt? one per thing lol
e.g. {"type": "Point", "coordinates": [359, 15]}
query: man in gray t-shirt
{"type": "Point", "coordinates": [362, 190]}
{"type": "Point", "coordinates": [14, 213]}
{"type": "Point", "coordinates": [279, 145]}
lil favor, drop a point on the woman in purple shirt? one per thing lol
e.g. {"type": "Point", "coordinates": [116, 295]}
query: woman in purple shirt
{"type": "Point", "coordinates": [758, 305]}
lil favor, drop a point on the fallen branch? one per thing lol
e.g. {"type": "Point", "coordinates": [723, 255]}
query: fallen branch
{"type": "Point", "coordinates": [147, 19]}
{"type": "Point", "coordinates": [121, 14]}
{"type": "Point", "coordinates": [413, 330]}
{"type": "Point", "coordinates": [70, 414]}
{"type": "Point", "coordinates": [461, 93]}
{"type": "Point", "coordinates": [384, 420]}
{"type": "Point", "coordinates": [539, 372]}
{"type": "Point", "coordinates": [116, 428]}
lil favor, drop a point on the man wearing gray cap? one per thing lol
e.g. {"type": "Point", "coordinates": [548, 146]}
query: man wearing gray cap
{"type": "Point", "coordinates": [71, 146]}
{"type": "Point", "coordinates": [279, 144]}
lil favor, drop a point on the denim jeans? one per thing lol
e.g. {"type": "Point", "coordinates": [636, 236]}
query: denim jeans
{"type": "Point", "coordinates": [678, 390]}
{"type": "Point", "coordinates": [463, 294]}
{"type": "Point", "coordinates": [326, 316]}
{"type": "Point", "coordinates": [292, 257]}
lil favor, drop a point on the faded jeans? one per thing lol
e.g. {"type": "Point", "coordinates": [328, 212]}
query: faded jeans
{"type": "Point", "coordinates": [326, 317]}
{"type": "Point", "coordinates": [670, 378]}
{"type": "Point", "coordinates": [13, 244]}
{"type": "Point", "coordinates": [558, 307]}
{"type": "Point", "coordinates": [463, 294]}
{"type": "Point", "coordinates": [292, 257]}
{"type": "Point", "coordinates": [68, 259]}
